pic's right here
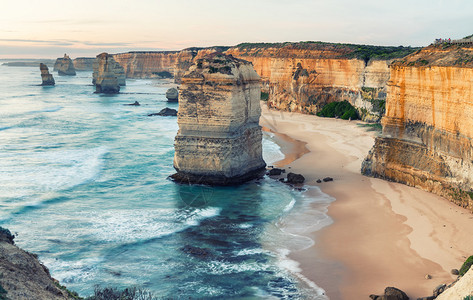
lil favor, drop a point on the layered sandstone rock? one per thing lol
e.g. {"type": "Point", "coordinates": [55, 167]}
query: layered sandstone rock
{"type": "Point", "coordinates": [151, 64]}
{"type": "Point", "coordinates": [23, 276]}
{"type": "Point", "coordinates": [304, 78]}
{"type": "Point", "coordinates": [428, 127]}
{"type": "Point", "coordinates": [105, 77]}
{"type": "Point", "coordinates": [64, 66]}
{"type": "Point", "coordinates": [84, 63]}
{"type": "Point", "coordinates": [45, 76]}
{"type": "Point", "coordinates": [106, 61]}
{"type": "Point", "coordinates": [219, 139]}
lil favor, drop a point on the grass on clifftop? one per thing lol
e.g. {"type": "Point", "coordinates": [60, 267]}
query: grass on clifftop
{"type": "Point", "coordinates": [343, 110]}
{"type": "Point", "coordinates": [364, 52]}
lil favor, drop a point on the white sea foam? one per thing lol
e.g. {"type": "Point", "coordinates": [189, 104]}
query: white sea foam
{"type": "Point", "coordinates": [128, 226]}
{"type": "Point", "coordinates": [271, 151]}
{"type": "Point", "coordinates": [42, 172]}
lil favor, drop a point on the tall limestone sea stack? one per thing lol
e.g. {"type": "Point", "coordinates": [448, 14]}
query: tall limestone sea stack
{"type": "Point", "coordinates": [219, 137]}
{"type": "Point", "coordinates": [107, 74]}
{"type": "Point", "coordinates": [45, 76]}
{"type": "Point", "coordinates": [65, 66]}
{"type": "Point", "coordinates": [427, 139]}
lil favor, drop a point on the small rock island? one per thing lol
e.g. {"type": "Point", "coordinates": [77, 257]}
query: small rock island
{"type": "Point", "coordinates": [46, 77]}
{"type": "Point", "coordinates": [219, 137]}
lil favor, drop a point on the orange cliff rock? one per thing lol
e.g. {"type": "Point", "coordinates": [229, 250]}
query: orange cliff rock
{"type": "Point", "coordinates": [428, 127]}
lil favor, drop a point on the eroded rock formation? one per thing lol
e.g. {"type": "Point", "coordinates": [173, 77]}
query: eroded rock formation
{"type": "Point", "coordinates": [47, 78]}
{"type": "Point", "coordinates": [172, 95]}
{"type": "Point", "coordinates": [105, 75]}
{"type": "Point", "coordinates": [64, 66]}
{"type": "Point", "coordinates": [105, 60]}
{"type": "Point", "coordinates": [428, 127]}
{"type": "Point", "coordinates": [23, 276]}
{"type": "Point", "coordinates": [219, 137]}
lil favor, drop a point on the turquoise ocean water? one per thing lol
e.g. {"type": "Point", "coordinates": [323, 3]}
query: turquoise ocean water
{"type": "Point", "coordinates": [83, 183]}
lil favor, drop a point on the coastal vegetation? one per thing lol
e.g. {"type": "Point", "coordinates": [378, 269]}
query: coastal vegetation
{"type": "Point", "coordinates": [117, 294]}
{"type": "Point", "coordinates": [466, 265]}
{"type": "Point", "coordinates": [343, 110]}
{"type": "Point", "coordinates": [264, 96]}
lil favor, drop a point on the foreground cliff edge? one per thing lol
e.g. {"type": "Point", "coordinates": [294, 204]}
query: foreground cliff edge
{"type": "Point", "coordinates": [23, 276]}
{"type": "Point", "coordinates": [428, 126]}
{"type": "Point", "coordinates": [219, 137]}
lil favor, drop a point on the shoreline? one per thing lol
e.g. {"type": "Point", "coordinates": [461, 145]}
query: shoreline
{"type": "Point", "coordinates": [383, 233]}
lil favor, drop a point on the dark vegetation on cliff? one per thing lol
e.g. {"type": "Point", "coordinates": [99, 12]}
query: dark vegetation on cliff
{"type": "Point", "coordinates": [336, 50]}
{"type": "Point", "coordinates": [466, 266]}
{"type": "Point", "coordinates": [443, 55]}
{"type": "Point", "coordinates": [343, 110]}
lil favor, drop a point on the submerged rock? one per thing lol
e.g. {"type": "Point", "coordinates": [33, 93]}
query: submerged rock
{"type": "Point", "coordinates": [46, 77]}
{"type": "Point", "coordinates": [166, 112]}
{"type": "Point", "coordinates": [136, 103]}
{"type": "Point", "coordinates": [172, 95]}
{"type": "Point", "coordinates": [65, 66]}
{"type": "Point", "coordinates": [105, 78]}
{"type": "Point", "coordinates": [219, 137]}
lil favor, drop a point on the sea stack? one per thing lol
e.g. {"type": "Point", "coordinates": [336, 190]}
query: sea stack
{"type": "Point", "coordinates": [65, 66]}
{"type": "Point", "coordinates": [45, 76]}
{"type": "Point", "coordinates": [219, 137]}
{"type": "Point", "coordinates": [104, 77]}
{"type": "Point", "coordinates": [112, 65]}
{"type": "Point", "coordinates": [172, 95]}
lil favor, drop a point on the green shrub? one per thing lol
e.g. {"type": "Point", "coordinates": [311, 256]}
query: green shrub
{"type": "Point", "coordinates": [264, 96]}
{"type": "Point", "coordinates": [343, 110]}
{"type": "Point", "coordinates": [466, 265]}
{"type": "Point", "coordinates": [468, 298]}
{"type": "Point", "coordinates": [116, 294]}
{"type": "Point", "coordinates": [3, 293]}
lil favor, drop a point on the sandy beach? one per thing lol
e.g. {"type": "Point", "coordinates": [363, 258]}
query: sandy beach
{"type": "Point", "coordinates": [384, 233]}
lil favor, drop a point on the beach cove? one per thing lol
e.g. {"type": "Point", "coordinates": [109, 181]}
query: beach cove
{"type": "Point", "coordinates": [383, 233]}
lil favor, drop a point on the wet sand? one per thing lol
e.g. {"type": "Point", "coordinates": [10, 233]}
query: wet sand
{"type": "Point", "coordinates": [383, 233]}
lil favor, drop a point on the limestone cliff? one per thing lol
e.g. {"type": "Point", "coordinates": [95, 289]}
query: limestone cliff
{"type": "Point", "coordinates": [303, 77]}
{"type": "Point", "coordinates": [84, 63]}
{"type": "Point", "coordinates": [23, 277]}
{"type": "Point", "coordinates": [105, 76]}
{"type": "Point", "coordinates": [428, 126]}
{"type": "Point", "coordinates": [219, 139]}
{"type": "Point", "coordinates": [64, 66]}
{"type": "Point", "coordinates": [153, 64]}
{"type": "Point", "coordinates": [47, 79]}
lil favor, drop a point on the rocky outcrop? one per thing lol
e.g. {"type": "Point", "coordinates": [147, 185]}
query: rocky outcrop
{"type": "Point", "coordinates": [105, 75]}
{"type": "Point", "coordinates": [153, 64]}
{"type": "Point", "coordinates": [64, 66]}
{"type": "Point", "coordinates": [23, 277]}
{"type": "Point", "coordinates": [105, 60]}
{"type": "Point", "coordinates": [165, 112]}
{"type": "Point", "coordinates": [45, 76]}
{"type": "Point", "coordinates": [219, 139]}
{"type": "Point", "coordinates": [460, 289]}
{"type": "Point", "coordinates": [84, 63]}
{"type": "Point", "coordinates": [172, 95]}
{"type": "Point", "coordinates": [428, 127]}
{"type": "Point", "coordinates": [391, 293]}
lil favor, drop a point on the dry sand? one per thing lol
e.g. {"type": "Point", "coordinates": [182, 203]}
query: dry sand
{"type": "Point", "coordinates": [384, 234]}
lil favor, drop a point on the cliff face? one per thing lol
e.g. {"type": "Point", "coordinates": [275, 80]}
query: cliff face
{"type": "Point", "coordinates": [147, 64]}
{"type": "Point", "coordinates": [428, 127]}
{"type": "Point", "coordinates": [84, 63]}
{"type": "Point", "coordinates": [219, 139]}
{"type": "Point", "coordinates": [304, 80]}
{"type": "Point", "coordinates": [23, 276]}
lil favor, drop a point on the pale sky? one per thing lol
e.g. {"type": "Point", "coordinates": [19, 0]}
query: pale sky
{"type": "Point", "coordinates": [50, 28]}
